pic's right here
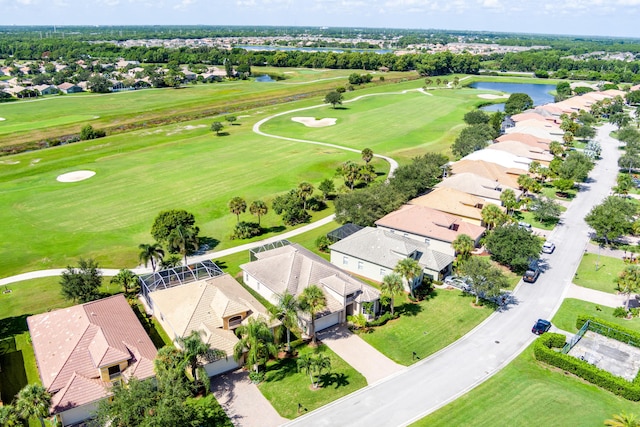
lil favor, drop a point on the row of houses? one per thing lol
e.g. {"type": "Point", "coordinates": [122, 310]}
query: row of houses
{"type": "Point", "coordinates": [83, 350]}
{"type": "Point", "coordinates": [424, 228]}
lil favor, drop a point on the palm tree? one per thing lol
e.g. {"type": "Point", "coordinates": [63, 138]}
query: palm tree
{"type": "Point", "coordinates": [305, 190]}
{"type": "Point", "coordinates": [286, 311]}
{"type": "Point", "coordinates": [150, 252]}
{"type": "Point", "coordinates": [556, 148]}
{"type": "Point", "coordinates": [367, 155]}
{"type": "Point", "coordinates": [629, 281]}
{"type": "Point", "coordinates": [33, 401]}
{"type": "Point", "coordinates": [258, 208]}
{"type": "Point", "coordinates": [463, 245]}
{"type": "Point", "coordinates": [509, 200]}
{"type": "Point", "coordinates": [392, 287]}
{"type": "Point", "coordinates": [410, 270]}
{"type": "Point", "coordinates": [193, 349]}
{"type": "Point", "coordinates": [183, 238]}
{"type": "Point", "coordinates": [127, 279]}
{"type": "Point", "coordinates": [350, 172]}
{"type": "Point", "coordinates": [311, 365]}
{"type": "Point", "coordinates": [256, 340]}
{"type": "Point", "coordinates": [312, 301]}
{"type": "Point", "coordinates": [237, 205]}
{"type": "Point", "coordinates": [492, 215]}
{"type": "Point", "coordinates": [623, 420]}
{"type": "Point", "coordinates": [9, 417]}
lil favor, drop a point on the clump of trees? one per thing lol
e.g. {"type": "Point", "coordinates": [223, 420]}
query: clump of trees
{"type": "Point", "coordinates": [81, 284]}
{"type": "Point", "coordinates": [88, 132]}
{"type": "Point", "coordinates": [245, 229]}
{"type": "Point", "coordinates": [513, 246]}
{"type": "Point", "coordinates": [334, 98]}
{"type": "Point", "coordinates": [367, 205]}
{"type": "Point", "coordinates": [517, 103]}
{"type": "Point", "coordinates": [358, 79]}
{"type": "Point", "coordinates": [613, 218]}
{"type": "Point", "coordinates": [176, 230]}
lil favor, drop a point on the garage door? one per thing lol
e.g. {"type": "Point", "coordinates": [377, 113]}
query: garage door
{"type": "Point", "coordinates": [220, 366]}
{"type": "Point", "coordinates": [328, 320]}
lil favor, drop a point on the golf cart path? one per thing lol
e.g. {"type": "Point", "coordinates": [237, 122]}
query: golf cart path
{"type": "Point", "coordinates": [439, 379]}
{"type": "Point", "coordinates": [393, 165]}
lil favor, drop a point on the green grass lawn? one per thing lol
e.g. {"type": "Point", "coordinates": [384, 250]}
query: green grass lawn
{"type": "Point", "coordinates": [426, 327]}
{"type": "Point", "coordinates": [529, 393]}
{"type": "Point", "coordinates": [566, 317]}
{"type": "Point", "coordinates": [604, 278]}
{"type": "Point", "coordinates": [360, 121]}
{"type": "Point", "coordinates": [285, 387]}
{"type": "Point", "coordinates": [58, 115]}
{"type": "Point", "coordinates": [550, 191]}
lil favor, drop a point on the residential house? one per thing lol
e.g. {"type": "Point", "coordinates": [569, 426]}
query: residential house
{"type": "Point", "coordinates": [22, 92]}
{"type": "Point", "coordinates": [82, 350]}
{"type": "Point", "coordinates": [293, 268]}
{"type": "Point", "coordinates": [487, 189]}
{"type": "Point", "coordinates": [431, 226]}
{"type": "Point", "coordinates": [530, 140]}
{"type": "Point", "coordinates": [374, 252]}
{"type": "Point", "coordinates": [493, 171]}
{"type": "Point", "coordinates": [502, 158]}
{"type": "Point", "coordinates": [46, 89]}
{"type": "Point", "coordinates": [70, 88]}
{"type": "Point", "coordinates": [520, 149]}
{"type": "Point", "coordinates": [214, 307]}
{"type": "Point", "coordinates": [453, 202]}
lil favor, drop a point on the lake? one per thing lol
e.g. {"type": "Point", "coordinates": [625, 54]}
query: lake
{"type": "Point", "coordinates": [265, 78]}
{"type": "Point", "coordinates": [539, 93]}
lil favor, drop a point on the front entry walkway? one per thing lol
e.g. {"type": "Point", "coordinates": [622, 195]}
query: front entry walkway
{"type": "Point", "coordinates": [595, 296]}
{"type": "Point", "coordinates": [359, 354]}
{"type": "Point", "coordinates": [243, 402]}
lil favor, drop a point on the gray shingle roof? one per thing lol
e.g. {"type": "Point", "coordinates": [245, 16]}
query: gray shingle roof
{"type": "Point", "coordinates": [385, 249]}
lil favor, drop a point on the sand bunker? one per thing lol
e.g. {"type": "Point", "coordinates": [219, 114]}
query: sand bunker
{"type": "Point", "coordinates": [2, 119]}
{"type": "Point", "coordinates": [75, 176]}
{"type": "Point", "coordinates": [490, 96]}
{"type": "Point", "coordinates": [314, 123]}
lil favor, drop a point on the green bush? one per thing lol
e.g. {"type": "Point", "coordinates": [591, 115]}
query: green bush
{"type": "Point", "coordinates": [383, 319]}
{"type": "Point", "coordinates": [619, 312]}
{"type": "Point", "coordinates": [256, 377]}
{"type": "Point", "coordinates": [323, 243]}
{"type": "Point", "coordinates": [544, 350]}
{"type": "Point", "coordinates": [246, 230]}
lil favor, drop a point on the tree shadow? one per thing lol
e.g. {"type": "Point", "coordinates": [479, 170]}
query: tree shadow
{"type": "Point", "coordinates": [409, 309]}
{"type": "Point", "coordinates": [10, 326]}
{"type": "Point", "coordinates": [12, 375]}
{"type": "Point", "coordinates": [340, 107]}
{"type": "Point", "coordinates": [222, 264]}
{"type": "Point", "coordinates": [207, 243]}
{"type": "Point", "coordinates": [223, 134]}
{"type": "Point", "coordinates": [333, 379]}
{"type": "Point", "coordinates": [275, 229]}
{"type": "Point", "coordinates": [281, 369]}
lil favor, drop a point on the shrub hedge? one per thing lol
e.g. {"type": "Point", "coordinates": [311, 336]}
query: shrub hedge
{"type": "Point", "coordinates": [545, 351]}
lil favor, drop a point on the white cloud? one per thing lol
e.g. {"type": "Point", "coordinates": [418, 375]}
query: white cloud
{"type": "Point", "coordinates": [184, 4]}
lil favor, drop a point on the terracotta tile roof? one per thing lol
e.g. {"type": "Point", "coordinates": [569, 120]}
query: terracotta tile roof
{"type": "Point", "coordinates": [489, 170]}
{"type": "Point", "coordinates": [502, 158]}
{"type": "Point", "coordinates": [430, 223]}
{"type": "Point", "coordinates": [75, 342]}
{"type": "Point", "coordinates": [453, 202]}
{"type": "Point", "coordinates": [202, 306]}
{"type": "Point", "coordinates": [529, 115]}
{"type": "Point", "coordinates": [477, 185]}
{"type": "Point", "coordinates": [523, 150]}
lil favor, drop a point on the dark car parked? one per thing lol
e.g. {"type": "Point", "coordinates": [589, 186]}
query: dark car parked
{"type": "Point", "coordinates": [532, 273]}
{"type": "Point", "coordinates": [541, 327]}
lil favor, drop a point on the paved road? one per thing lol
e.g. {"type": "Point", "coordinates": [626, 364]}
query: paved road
{"type": "Point", "coordinates": [426, 386]}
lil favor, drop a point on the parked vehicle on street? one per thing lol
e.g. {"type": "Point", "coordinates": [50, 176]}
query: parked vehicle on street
{"type": "Point", "coordinates": [532, 273]}
{"type": "Point", "coordinates": [548, 247]}
{"type": "Point", "coordinates": [541, 326]}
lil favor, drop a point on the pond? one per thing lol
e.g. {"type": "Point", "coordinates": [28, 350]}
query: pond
{"type": "Point", "coordinates": [539, 93]}
{"type": "Point", "coordinates": [265, 78]}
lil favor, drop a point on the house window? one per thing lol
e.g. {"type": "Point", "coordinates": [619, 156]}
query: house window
{"type": "Point", "coordinates": [360, 265]}
{"type": "Point", "coordinates": [405, 234]}
{"type": "Point", "coordinates": [114, 371]}
{"type": "Point", "coordinates": [345, 260]}
{"type": "Point", "coordinates": [427, 240]}
{"type": "Point", "coordinates": [235, 321]}
{"type": "Point", "coordinates": [383, 272]}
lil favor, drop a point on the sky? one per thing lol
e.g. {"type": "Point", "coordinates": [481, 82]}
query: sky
{"type": "Point", "coordinates": [618, 18]}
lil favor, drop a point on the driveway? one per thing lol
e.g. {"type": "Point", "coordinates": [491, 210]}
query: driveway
{"type": "Point", "coordinates": [431, 383]}
{"type": "Point", "coordinates": [359, 354]}
{"type": "Point", "coordinates": [596, 297]}
{"type": "Point", "coordinates": [243, 402]}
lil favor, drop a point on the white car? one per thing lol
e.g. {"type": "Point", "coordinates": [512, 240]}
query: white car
{"type": "Point", "coordinates": [548, 247]}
